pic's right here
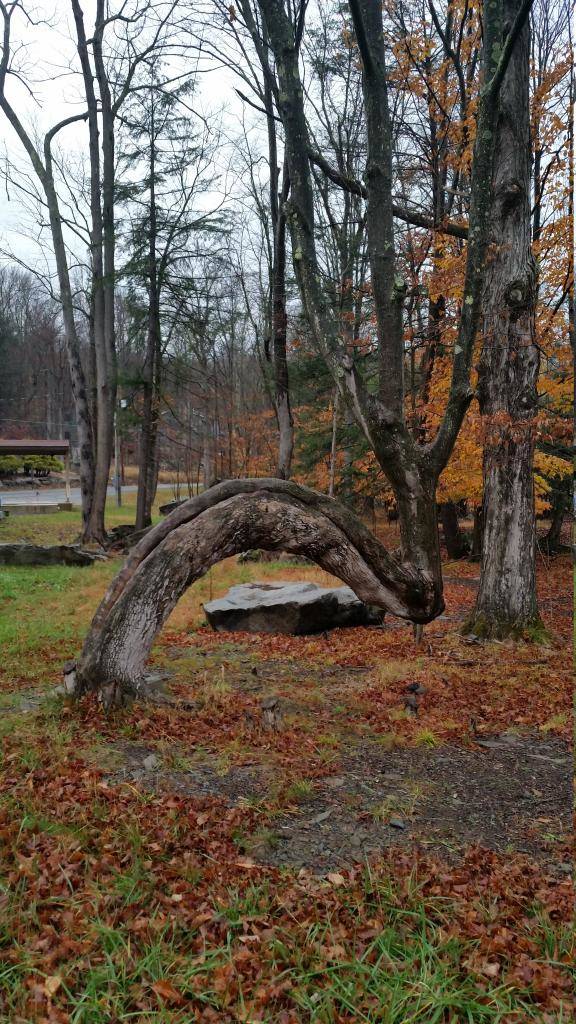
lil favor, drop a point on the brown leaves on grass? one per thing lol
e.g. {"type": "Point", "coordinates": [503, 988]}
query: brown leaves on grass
{"type": "Point", "coordinates": [76, 849]}
{"type": "Point", "coordinates": [67, 876]}
{"type": "Point", "coordinates": [491, 687]}
{"type": "Point", "coordinates": [168, 993]}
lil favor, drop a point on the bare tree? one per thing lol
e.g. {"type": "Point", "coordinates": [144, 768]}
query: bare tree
{"type": "Point", "coordinates": [170, 154]}
{"type": "Point", "coordinates": [41, 159]}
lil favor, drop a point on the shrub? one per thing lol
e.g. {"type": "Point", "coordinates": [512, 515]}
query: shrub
{"type": "Point", "coordinates": [41, 465]}
{"type": "Point", "coordinates": [9, 465]}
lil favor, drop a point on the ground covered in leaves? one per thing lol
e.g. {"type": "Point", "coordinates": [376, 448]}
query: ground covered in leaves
{"type": "Point", "coordinates": [370, 861]}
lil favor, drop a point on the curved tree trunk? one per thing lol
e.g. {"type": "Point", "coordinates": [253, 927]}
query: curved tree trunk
{"type": "Point", "coordinates": [231, 517]}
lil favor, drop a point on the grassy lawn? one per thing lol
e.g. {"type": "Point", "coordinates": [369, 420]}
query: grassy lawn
{"type": "Point", "coordinates": [201, 891]}
{"type": "Point", "coordinates": [64, 527]}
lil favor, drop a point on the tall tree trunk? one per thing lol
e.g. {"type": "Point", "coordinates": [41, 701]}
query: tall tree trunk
{"type": "Point", "coordinates": [78, 380]}
{"type": "Point", "coordinates": [208, 470]}
{"type": "Point", "coordinates": [277, 268]}
{"type": "Point", "coordinates": [552, 542]}
{"type": "Point", "coordinates": [107, 383]}
{"type": "Point", "coordinates": [477, 532]}
{"type": "Point", "coordinates": [281, 378]}
{"type": "Point", "coordinates": [333, 444]}
{"type": "Point", "coordinates": [508, 369]}
{"type": "Point", "coordinates": [456, 543]}
{"type": "Point", "coordinates": [148, 469]}
{"type": "Point", "coordinates": [104, 390]}
{"type": "Point", "coordinates": [153, 360]}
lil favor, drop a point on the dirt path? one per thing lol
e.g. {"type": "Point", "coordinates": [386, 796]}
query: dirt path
{"type": "Point", "coordinates": [511, 793]}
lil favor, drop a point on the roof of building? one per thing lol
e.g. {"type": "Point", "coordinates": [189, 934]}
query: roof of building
{"type": "Point", "coordinates": [27, 446]}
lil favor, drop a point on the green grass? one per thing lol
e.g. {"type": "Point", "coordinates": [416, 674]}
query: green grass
{"type": "Point", "coordinates": [410, 972]}
{"type": "Point", "coordinates": [64, 527]}
{"type": "Point", "coordinates": [43, 611]}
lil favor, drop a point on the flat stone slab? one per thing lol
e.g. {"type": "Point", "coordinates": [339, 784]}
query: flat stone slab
{"type": "Point", "coordinates": [34, 554]}
{"type": "Point", "coordinates": [295, 608]}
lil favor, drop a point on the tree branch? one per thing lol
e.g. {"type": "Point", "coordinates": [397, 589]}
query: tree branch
{"type": "Point", "coordinates": [406, 214]}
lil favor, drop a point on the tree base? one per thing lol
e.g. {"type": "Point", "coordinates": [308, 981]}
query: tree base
{"type": "Point", "coordinates": [488, 627]}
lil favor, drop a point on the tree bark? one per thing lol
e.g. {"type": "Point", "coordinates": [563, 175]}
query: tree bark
{"type": "Point", "coordinates": [153, 360]}
{"type": "Point", "coordinates": [277, 257]}
{"type": "Point", "coordinates": [109, 387]}
{"type": "Point", "coordinates": [78, 380]}
{"type": "Point", "coordinates": [508, 369]}
{"type": "Point", "coordinates": [104, 386]}
{"type": "Point", "coordinates": [281, 378]}
{"type": "Point", "coordinates": [43, 168]}
{"type": "Point", "coordinates": [477, 532]}
{"type": "Point", "coordinates": [456, 543]}
{"type": "Point", "coordinates": [552, 542]}
{"type": "Point", "coordinates": [231, 517]}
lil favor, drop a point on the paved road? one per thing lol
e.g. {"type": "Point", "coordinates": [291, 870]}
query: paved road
{"type": "Point", "coordinates": [11, 496]}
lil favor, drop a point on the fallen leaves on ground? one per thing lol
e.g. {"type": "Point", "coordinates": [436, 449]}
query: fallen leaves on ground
{"type": "Point", "coordinates": [118, 901]}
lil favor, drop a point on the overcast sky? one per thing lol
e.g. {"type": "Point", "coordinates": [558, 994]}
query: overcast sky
{"type": "Point", "coordinates": [51, 90]}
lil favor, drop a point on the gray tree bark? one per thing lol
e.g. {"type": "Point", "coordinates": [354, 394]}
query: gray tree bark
{"type": "Point", "coordinates": [456, 542]}
{"type": "Point", "coordinates": [508, 369]}
{"type": "Point", "coordinates": [105, 383]}
{"type": "Point", "coordinates": [277, 267]}
{"type": "Point", "coordinates": [153, 361]}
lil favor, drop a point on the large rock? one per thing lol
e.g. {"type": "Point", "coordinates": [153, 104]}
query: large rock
{"type": "Point", "coordinates": [34, 554]}
{"type": "Point", "coordinates": [289, 608]}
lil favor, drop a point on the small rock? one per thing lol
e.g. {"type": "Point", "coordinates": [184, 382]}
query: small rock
{"type": "Point", "coordinates": [566, 868]}
{"type": "Point", "coordinates": [35, 554]}
{"type": "Point", "coordinates": [335, 783]}
{"type": "Point", "coordinates": [397, 823]}
{"type": "Point", "coordinates": [320, 817]}
{"type": "Point", "coordinates": [154, 682]}
{"type": "Point", "coordinates": [151, 762]}
{"type": "Point", "coordinates": [272, 718]}
{"type": "Point", "coordinates": [510, 737]}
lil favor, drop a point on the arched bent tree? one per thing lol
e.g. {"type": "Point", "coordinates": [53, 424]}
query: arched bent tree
{"type": "Point", "coordinates": [231, 517]}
